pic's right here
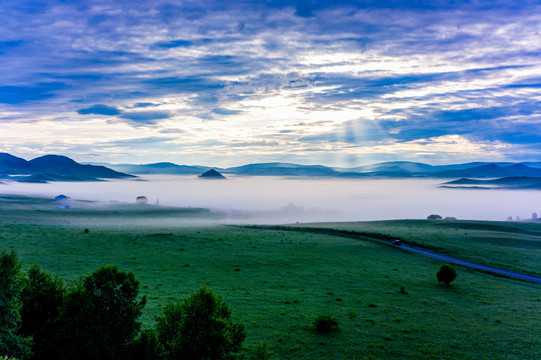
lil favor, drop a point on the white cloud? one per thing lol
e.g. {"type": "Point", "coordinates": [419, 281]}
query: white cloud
{"type": "Point", "coordinates": [246, 73]}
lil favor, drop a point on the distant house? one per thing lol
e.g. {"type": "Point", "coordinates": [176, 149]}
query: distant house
{"type": "Point", "coordinates": [64, 202]}
{"type": "Point", "coordinates": [66, 206]}
{"type": "Point", "coordinates": [141, 200]}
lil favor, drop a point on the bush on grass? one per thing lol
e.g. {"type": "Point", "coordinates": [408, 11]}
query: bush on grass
{"type": "Point", "coordinates": [325, 324]}
{"type": "Point", "coordinates": [257, 352]}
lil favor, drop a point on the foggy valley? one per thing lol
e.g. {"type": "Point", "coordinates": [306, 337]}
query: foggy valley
{"type": "Point", "coordinates": [285, 200]}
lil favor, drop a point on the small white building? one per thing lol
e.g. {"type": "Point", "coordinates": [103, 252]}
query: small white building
{"type": "Point", "coordinates": [64, 202]}
{"type": "Point", "coordinates": [66, 206]}
{"type": "Point", "coordinates": [141, 200]}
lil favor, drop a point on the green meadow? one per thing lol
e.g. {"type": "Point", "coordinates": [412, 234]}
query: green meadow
{"type": "Point", "coordinates": [387, 302]}
{"type": "Point", "coordinates": [512, 245]}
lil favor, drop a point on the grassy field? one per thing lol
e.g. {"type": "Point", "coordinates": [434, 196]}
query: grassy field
{"type": "Point", "coordinates": [510, 245]}
{"type": "Point", "coordinates": [277, 282]}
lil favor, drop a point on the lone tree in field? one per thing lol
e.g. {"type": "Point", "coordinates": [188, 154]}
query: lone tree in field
{"type": "Point", "coordinates": [200, 327]}
{"type": "Point", "coordinates": [446, 274]}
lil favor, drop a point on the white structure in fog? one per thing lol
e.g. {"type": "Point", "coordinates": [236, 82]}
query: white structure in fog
{"type": "Point", "coordinates": [141, 200]}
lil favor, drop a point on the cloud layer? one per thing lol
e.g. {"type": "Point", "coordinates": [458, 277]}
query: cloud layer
{"type": "Point", "coordinates": [332, 82]}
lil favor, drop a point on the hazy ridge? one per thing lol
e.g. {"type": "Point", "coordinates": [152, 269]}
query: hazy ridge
{"type": "Point", "coordinates": [61, 168]}
{"type": "Point", "coordinates": [53, 168]}
{"type": "Point", "coordinates": [395, 169]}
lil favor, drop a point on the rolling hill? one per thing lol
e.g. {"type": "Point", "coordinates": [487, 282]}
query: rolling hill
{"type": "Point", "coordinates": [10, 164]}
{"type": "Point", "coordinates": [491, 171]}
{"type": "Point", "coordinates": [62, 168]}
{"type": "Point", "coordinates": [282, 169]}
{"type": "Point", "coordinates": [394, 169]}
{"type": "Point", "coordinates": [53, 168]}
{"type": "Point", "coordinates": [165, 168]}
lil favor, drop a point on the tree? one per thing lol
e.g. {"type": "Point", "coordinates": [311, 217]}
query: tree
{"type": "Point", "coordinates": [534, 215]}
{"type": "Point", "coordinates": [99, 316]}
{"type": "Point", "coordinates": [11, 343]}
{"type": "Point", "coordinates": [42, 298]}
{"type": "Point", "coordinates": [446, 274]}
{"type": "Point", "coordinates": [434, 217]}
{"type": "Point", "coordinates": [200, 327]}
{"type": "Point", "coordinates": [147, 346]}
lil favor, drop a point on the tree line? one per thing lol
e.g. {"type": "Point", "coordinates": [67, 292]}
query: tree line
{"type": "Point", "coordinates": [97, 317]}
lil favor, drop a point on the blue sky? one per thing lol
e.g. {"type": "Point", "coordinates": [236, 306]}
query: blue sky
{"type": "Point", "coordinates": [225, 83]}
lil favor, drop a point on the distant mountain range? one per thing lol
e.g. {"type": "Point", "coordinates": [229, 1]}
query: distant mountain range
{"type": "Point", "coordinates": [282, 169]}
{"type": "Point", "coordinates": [53, 168]}
{"type": "Point", "coordinates": [163, 168]}
{"type": "Point", "coordinates": [395, 169]}
{"type": "Point", "coordinates": [61, 168]}
{"type": "Point", "coordinates": [474, 169]}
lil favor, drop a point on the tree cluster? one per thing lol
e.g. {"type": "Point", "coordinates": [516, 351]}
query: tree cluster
{"type": "Point", "coordinates": [96, 317]}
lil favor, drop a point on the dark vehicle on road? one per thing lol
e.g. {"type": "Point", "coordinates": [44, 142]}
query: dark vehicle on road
{"type": "Point", "coordinates": [397, 242]}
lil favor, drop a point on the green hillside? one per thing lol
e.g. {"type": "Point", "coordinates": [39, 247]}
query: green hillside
{"type": "Point", "coordinates": [278, 282]}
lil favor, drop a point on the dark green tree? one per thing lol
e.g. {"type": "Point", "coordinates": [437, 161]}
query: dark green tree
{"type": "Point", "coordinates": [200, 327]}
{"type": "Point", "coordinates": [11, 342]}
{"type": "Point", "coordinates": [42, 298]}
{"type": "Point", "coordinates": [147, 346]}
{"type": "Point", "coordinates": [99, 319]}
{"type": "Point", "coordinates": [446, 274]}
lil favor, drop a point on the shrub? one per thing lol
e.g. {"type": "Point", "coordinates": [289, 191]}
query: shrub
{"type": "Point", "coordinates": [325, 324]}
{"type": "Point", "coordinates": [258, 352]}
{"type": "Point", "coordinates": [200, 327]}
{"type": "Point", "coordinates": [11, 343]}
{"type": "Point", "coordinates": [99, 316]}
{"type": "Point", "coordinates": [147, 346]}
{"type": "Point", "coordinates": [42, 298]}
{"type": "Point", "coordinates": [446, 274]}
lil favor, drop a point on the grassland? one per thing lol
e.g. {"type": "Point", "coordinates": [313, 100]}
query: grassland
{"type": "Point", "coordinates": [277, 282]}
{"type": "Point", "coordinates": [512, 245]}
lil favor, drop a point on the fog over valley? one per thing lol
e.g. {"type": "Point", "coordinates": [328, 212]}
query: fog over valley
{"type": "Point", "coordinates": [284, 200]}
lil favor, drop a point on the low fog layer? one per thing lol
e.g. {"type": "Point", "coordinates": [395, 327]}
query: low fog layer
{"type": "Point", "coordinates": [278, 200]}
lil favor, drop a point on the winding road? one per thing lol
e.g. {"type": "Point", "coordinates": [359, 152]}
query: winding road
{"type": "Point", "coordinates": [388, 240]}
{"type": "Point", "coordinates": [470, 264]}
